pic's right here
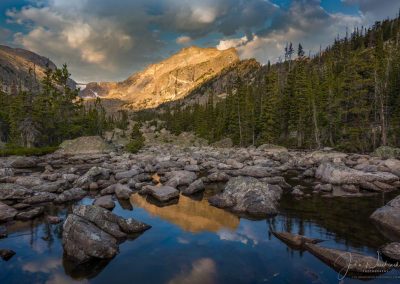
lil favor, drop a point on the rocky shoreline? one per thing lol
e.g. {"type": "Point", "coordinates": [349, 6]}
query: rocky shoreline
{"type": "Point", "coordinates": [254, 181]}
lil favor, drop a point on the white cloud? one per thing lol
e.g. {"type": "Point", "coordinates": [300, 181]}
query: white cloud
{"type": "Point", "coordinates": [183, 40]}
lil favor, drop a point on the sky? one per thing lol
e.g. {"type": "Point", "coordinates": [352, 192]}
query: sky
{"type": "Point", "coordinates": [103, 40]}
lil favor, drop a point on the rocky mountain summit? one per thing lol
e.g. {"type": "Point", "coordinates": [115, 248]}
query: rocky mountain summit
{"type": "Point", "coordinates": [169, 80]}
{"type": "Point", "coordinates": [23, 69]}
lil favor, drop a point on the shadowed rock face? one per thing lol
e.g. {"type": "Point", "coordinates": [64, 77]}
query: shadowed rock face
{"type": "Point", "coordinates": [20, 66]}
{"type": "Point", "coordinates": [169, 80]}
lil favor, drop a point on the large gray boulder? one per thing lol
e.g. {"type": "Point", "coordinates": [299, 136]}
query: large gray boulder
{"type": "Point", "coordinates": [7, 213]}
{"type": "Point", "coordinates": [250, 196]}
{"type": "Point", "coordinates": [83, 240]}
{"type": "Point", "coordinates": [388, 218]}
{"type": "Point", "coordinates": [178, 178]}
{"type": "Point", "coordinates": [12, 191]}
{"type": "Point", "coordinates": [340, 174]}
{"type": "Point", "coordinates": [94, 232]}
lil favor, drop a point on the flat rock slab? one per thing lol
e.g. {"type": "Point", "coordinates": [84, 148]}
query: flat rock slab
{"type": "Point", "coordinates": [162, 193]}
{"type": "Point", "coordinates": [294, 240]}
{"type": "Point", "coordinates": [351, 263]}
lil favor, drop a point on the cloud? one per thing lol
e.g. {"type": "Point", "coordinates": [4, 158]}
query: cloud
{"type": "Point", "coordinates": [303, 22]}
{"type": "Point", "coordinates": [376, 10]}
{"type": "Point", "coordinates": [183, 40]}
{"type": "Point", "coordinates": [204, 270]}
{"type": "Point", "coordinates": [102, 39]}
{"type": "Point", "coordinates": [108, 40]}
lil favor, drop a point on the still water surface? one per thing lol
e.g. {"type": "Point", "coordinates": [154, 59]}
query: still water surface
{"type": "Point", "coordinates": [192, 242]}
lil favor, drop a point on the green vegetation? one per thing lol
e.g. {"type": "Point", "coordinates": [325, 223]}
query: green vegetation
{"type": "Point", "coordinates": [136, 140]}
{"type": "Point", "coordinates": [27, 151]}
{"type": "Point", "coordinates": [33, 120]}
{"type": "Point", "coordinates": [347, 96]}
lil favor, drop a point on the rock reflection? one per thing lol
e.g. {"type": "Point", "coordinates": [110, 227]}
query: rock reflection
{"type": "Point", "coordinates": [190, 215]}
{"type": "Point", "coordinates": [87, 270]}
{"type": "Point", "coordinates": [203, 271]}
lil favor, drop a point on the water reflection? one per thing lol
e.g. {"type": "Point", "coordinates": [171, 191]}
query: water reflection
{"type": "Point", "coordinates": [191, 215]}
{"type": "Point", "coordinates": [203, 271]}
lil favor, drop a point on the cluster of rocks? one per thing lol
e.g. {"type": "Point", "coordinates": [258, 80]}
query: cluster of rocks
{"type": "Point", "coordinates": [254, 179]}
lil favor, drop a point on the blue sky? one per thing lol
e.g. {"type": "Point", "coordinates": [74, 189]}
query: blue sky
{"type": "Point", "coordinates": [105, 40]}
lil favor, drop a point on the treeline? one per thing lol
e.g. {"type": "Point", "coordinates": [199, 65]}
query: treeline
{"type": "Point", "coordinates": [49, 116]}
{"type": "Point", "coordinates": [347, 96]}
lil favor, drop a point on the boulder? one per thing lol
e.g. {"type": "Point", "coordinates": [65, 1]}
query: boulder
{"type": "Point", "coordinates": [123, 191]}
{"type": "Point", "coordinates": [254, 171]}
{"type": "Point", "coordinates": [250, 196]}
{"type": "Point", "coordinates": [340, 174]}
{"type": "Point", "coordinates": [11, 191]}
{"type": "Point", "coordinates": [392, 251]}
{"type": "Point", "coordinates": [387, 218]}
{"type": "Point", "coordinates": [40, 197]}
{"type": "Point", "coordinates": [162, 193]}
{"type": "Point", "coordinates": [30, 214]}
{"type": "Point", "coordinates": [85, 145]}
{"type": "Point", "coordinates": [29, 181]}
{"type": "Point", "coordinates": [348, 262]}
{"type": "Point", "coordinates": [22, 162]}
{"type": "Point", "coordinates": [178, 178]}
{"type": "Point", "coordinates": [126, 174]}
{"type": "Point", "coordinates": [387, 152]}
{"type": "Point", "coordinates": [271, 148]}
{"type": "Point", "coordinates": [218, 177]}
{"type": "Point", "coordinates": [105, 202]}
{"type": "Point", "coordinates": [6, 172]}
{"type": "Point", "coordinates": [54, 187]}
{"type": "Point", "coordinates": [393, 166]}
{"type": "Point", "coordinates": [94, 232]}
{"type": "Point", "coordinates": [92, 175]}
{"type": "Point", "coordinates": [194, 187]}
{"type": "Point", "coordinates": [82, 240]}
{"type": "Point", "coordinates": [7, 213]}
{"type": "Point", "coordinates": [71, 195]}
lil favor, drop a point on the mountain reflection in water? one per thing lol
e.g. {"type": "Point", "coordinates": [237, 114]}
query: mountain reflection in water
{"type": "Point", "coordinates": [190, 215]}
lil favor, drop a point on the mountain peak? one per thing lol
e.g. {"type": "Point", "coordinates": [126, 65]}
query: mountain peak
{"type": "Point", "coordinates": [168, 80]}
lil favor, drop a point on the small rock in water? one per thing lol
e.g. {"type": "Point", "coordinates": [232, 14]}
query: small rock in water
{"type": "Point", "coordinates": [54, 219]}
{"type": "Point", "coordinates": [6, 254]}
{"type": "Point", "coordinates": [105, 202]}
{"type": "Point", "coordinates": [162, 193]}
